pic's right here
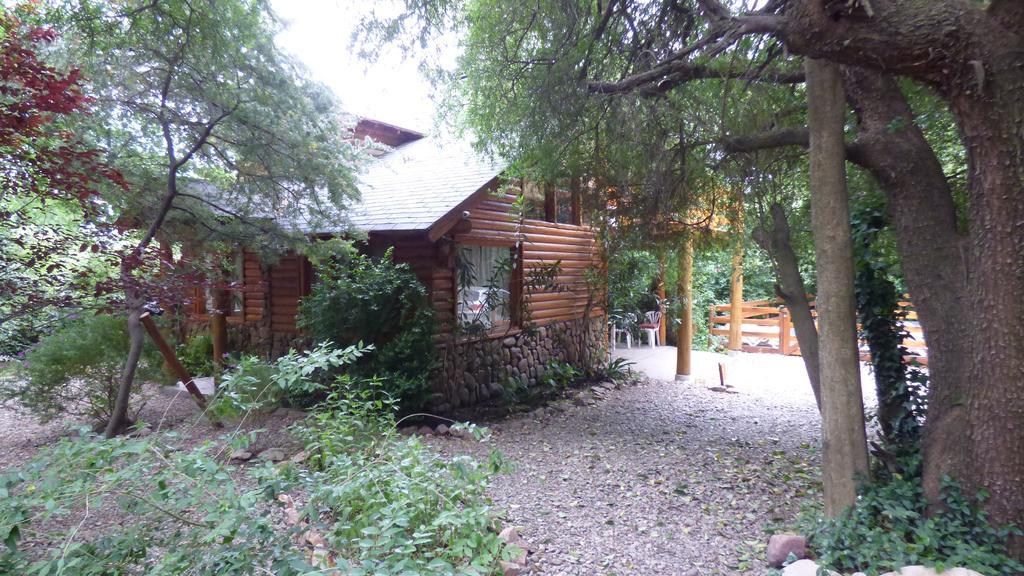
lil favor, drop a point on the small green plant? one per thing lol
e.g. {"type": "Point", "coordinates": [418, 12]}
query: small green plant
{"type": "Point", "coordinates": [76, 370]}
{"type": "Point", "coordinates": [616, 369]}
{"type": "Point", "coordinates": [514, 390]}
{"type": "Point", "coordinates": [559, 376]}
{"type": "Point", "coordinates": [888, 528]}
{"type": "Point", "coordinates": [196, 355]}
{"type": "Point", "coordinates": [257, 385]}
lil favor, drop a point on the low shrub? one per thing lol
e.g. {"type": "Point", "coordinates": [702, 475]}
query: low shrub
{"type": "Point", "coordinates": [254, 384]}
{"type": "Point", "coordinates": [376, 302]}
{"type": "Point", "coordinates": [888, 529]}
{"type": "Point", "coordinates": [76, 370]}
{"type": "Point", "coordinates": [196, 355]}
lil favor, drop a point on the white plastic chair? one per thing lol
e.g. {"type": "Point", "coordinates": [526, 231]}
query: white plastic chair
{"type": "Point", "coordinates": [651, 327]}
{"type": "Point", "coordinates": [627, 319]}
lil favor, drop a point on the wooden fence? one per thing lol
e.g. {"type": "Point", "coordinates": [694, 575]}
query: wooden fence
{"type": "Point", "coordinates": [766, 327]}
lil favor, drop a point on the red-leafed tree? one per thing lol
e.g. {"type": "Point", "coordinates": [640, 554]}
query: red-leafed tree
{"type": "Point", "coordinates": [50, 182]}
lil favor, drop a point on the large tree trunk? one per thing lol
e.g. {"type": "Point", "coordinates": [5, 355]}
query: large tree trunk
{"type": "Point", "coordinates": [844, 442]}
{"type": "Point", "coordinates": [923, 215]}
{"type": "Point", "coordinates": [991, 118]}
{"type": "Point", "coordinates": [777, 241]}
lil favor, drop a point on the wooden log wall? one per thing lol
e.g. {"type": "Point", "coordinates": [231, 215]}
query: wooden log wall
{"type": "Point", "coordinates": [289, 281]}
{"type": "Point", "coordinates": [544, 244]}
{"type": "Point", "coordinates": [254, 292]}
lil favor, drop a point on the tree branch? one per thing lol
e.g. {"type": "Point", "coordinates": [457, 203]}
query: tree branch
{"type": "Point", "coordinates": [667, 76]}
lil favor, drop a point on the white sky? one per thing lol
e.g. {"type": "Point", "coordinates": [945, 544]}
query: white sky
{"type": "Point", "coordinates": [319, 32]}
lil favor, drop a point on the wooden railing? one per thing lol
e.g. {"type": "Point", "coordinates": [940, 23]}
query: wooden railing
{"type": "Point", "coordinates": [768, 324]}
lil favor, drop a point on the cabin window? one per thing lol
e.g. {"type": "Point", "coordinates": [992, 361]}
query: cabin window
{"type": "Point", "coordinates": [485, 286]}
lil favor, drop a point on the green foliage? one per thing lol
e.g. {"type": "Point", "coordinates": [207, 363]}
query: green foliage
{"type": "Point", "coordinates": [187, 515]}
{"type": "Point", "coordinates": [375, 301]}
{"type": "Point", "coordinates": [196, 354]}
{"type": "Point", "coordinates": [207, 83]}
{"type": "Point", "coordinates": [396, 507]}
{"type": "Point", "coordinates": [257, 385]}
{"type": "Point", "coordinates": [632, 278]}
{"type": "Point", "coordinates": [888, 528]}
{"type": "Point", "coordinates": [559, 376]}
{"type": "Point", "coordinates": [77, 369]}
{"type": "Point", "coordinates": [901, 388]}
{"type": "Point", "coordinates": [384, 503]}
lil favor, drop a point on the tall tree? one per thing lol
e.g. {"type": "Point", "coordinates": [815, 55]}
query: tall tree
{"type": "Point", "coordinates": [211, 125]}
{"type": "Point", "coordinates": [844, 445]}
{"type": "Point", "coordinates": [556, 57]}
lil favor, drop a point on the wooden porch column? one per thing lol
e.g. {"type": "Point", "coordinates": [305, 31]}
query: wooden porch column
{"type": "Point", "coordinates": [550, 203]}
{"type": "Point", "coordinates": [218, 317]}
{"type": "Point", "coordinates": [576, 198]}
{"type": "Point", "coordinates": [684, 340]}
{"type": "Point", "coordinates": [661, 297]}
{"type": "Point", "coordinates": [736, 289]}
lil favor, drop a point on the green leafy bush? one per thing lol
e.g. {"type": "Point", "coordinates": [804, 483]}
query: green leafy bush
{"type": "Point", "coordinates": [373, 301]}
{"type": "Point", "coordinates": [77, 369]}
{"type": "Point", "coordinates": [196, 354]}
{"type": "Point", "coordinates": [888, 529]}
{"type": "Point", "coordinates": [382, 503]}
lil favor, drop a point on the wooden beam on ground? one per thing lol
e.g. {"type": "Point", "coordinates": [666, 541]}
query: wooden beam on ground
{"type": "Point", "coordinates": [684, 341]}
{"type": "Point", "coordinates": [172, 361]}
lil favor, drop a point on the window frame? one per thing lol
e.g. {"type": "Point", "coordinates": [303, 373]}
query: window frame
{"type": "Point", "coordinates": [515, 282]}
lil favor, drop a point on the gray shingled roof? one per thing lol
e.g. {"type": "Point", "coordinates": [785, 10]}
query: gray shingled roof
{"type": "Point", "coordinates": [416, 184]}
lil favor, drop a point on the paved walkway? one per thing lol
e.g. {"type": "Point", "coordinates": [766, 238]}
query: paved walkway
{"type": "Point", "coordinates": [765, 375]}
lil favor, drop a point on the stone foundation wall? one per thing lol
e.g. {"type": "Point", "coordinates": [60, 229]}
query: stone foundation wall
{"type": "Point", "coordinates": [477, 370]}
{"type": "Point", "coordinates": [257, 338]}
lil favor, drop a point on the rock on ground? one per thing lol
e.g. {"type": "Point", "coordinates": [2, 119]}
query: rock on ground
{"type": "Point", "coordinates": [780, 546]}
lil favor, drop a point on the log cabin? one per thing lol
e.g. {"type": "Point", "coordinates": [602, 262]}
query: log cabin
{"type": "Point", "coordinates": [436, 204]}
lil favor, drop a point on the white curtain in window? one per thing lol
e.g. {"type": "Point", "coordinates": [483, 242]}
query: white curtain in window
{"type": "Point", "coordinates": [484, 287]}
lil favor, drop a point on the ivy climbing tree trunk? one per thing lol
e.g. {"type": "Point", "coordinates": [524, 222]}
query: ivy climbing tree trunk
{"type": "Point", "coordinates": [844, 443]}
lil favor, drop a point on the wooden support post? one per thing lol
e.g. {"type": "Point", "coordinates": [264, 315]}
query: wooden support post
{"type": "Point", "coordinates": [736, 288]}
{"type": "Point", "coordinates": [661, 297]}
{"type": "Point", "coordinates": [684, 341]}
{"type": "Point", "coordinates": [575, 185]}
{"type": "Point", "coordinates": [219, 325]}
{"type": "Point", "coordinates": [175, 365]}
{"type": "Point", "coordinates": [711, 324]}
{"type": "Point", "coordinates": [550, 204]}
{"type": "Point", "coordinates": [784, 326]}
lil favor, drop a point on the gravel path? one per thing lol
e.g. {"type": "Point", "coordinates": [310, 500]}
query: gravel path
{"type": "Point", "coordinates": [658, 478]}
